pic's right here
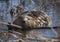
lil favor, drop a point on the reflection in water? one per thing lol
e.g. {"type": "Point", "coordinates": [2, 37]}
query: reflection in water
{"type": "Point", "coordinates": [10, 37]}
{"type": "Point", "coordinates": [31, 36]}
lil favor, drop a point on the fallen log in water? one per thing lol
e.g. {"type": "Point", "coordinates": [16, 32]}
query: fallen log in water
{"type": "Point", "coordinates": [10, 25]}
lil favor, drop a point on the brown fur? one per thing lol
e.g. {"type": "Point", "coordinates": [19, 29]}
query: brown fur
{"type": "Point", "coordinates": [32, 21]}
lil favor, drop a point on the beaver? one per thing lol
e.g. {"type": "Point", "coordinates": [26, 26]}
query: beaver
{"type": "Point", "coordinates": [33, 19]}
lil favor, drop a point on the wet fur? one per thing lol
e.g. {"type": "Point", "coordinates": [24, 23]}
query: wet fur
{"type": "Point", "coordinates": [32, 19]}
